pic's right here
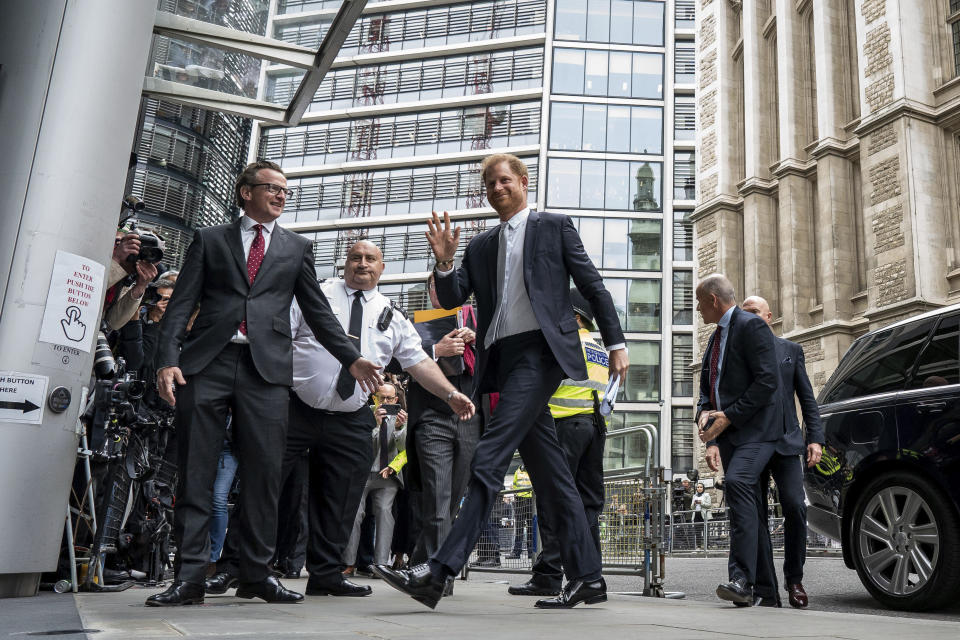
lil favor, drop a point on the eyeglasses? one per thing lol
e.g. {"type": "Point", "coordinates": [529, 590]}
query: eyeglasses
{"type": "Point", "coordinates": [388, 399]}
{"type": "Point", "coordinates": [274, 189]}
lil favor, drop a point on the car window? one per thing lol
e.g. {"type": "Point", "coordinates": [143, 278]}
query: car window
{"type": "Point", "coordinates": [939, 364]}
{"type": "Point", "coordinates": [883, 363]}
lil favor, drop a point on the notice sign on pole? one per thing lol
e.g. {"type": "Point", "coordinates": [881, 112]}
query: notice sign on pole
{"type": "Point", "coordinates": [70, 317]}
{"type": "Point", "coordinates": [21, 397]}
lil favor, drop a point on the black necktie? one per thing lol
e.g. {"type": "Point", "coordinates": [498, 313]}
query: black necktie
{"type": "Point", "coordinates": [384, 446]}
{"type": "Point", "coordinates": [346, 382]}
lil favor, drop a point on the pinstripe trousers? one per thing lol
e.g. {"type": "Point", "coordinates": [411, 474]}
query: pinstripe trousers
{"type": "Point", "coordinates": [445, 447]}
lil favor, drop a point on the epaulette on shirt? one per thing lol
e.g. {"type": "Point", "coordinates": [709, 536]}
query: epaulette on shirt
{"type": "Point", "coordinates": [402, 311]}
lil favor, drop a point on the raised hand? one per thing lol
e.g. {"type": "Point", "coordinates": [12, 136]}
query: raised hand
{"type": "Point", "coordinates": [443, 240]}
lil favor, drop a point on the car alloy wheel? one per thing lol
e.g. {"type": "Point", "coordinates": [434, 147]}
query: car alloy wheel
{"type": "Point", "coordinates": [899, 540]}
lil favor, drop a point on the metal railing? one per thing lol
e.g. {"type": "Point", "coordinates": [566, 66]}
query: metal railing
{"type": "Point", "coordinates": [685, 535]}
{"type": "Point", "coordinates": [633, 530]}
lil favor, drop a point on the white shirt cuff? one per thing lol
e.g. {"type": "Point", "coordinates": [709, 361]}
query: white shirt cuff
{"type": "Point", "coordinates": [619, 345]}
{"type": "Point", "coordinates": [433, 352]}
{"type": "Point", "coordinates": [444, 273]}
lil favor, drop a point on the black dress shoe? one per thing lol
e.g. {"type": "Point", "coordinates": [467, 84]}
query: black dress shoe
{"type": "Point", "coordinates": [418, 582]}
{"type": "Point", "coordinates": [535, 586]}
{"type": "Point", "coordinates": [576, 592]}
{"type": "Point", "coordinates": [220, 582]}
{"type": "Point", "coordinates": [268, 589]}
{"type": "Point", "coordinates": [177, 595]}
{"type": "Point", "coordinates": [292, 574]}
{"type": "Point", "coordinates": [736, 591]}
{"type": "Point", "coordinates": [761, 601]}
{"type": "Point", "coordinates": [366, 572]}
{"type": "Point", "coordinates": [797, 596]}
{"type": "Point", "coordinates": [342, 588]}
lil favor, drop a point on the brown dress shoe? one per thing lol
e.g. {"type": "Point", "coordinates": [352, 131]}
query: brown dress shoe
{"type": "Point", "coordinates": [798, 597]}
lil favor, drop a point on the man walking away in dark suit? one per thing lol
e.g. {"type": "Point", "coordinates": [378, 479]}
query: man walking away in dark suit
{"type": "Point", "coordinates": [785, 464]}
{"type": "Point", "coordinates": [238, 356]}
{"type": "Point", "coordinates": [740, 419]}
{"type": "Point", "coordinates": [527, 343]}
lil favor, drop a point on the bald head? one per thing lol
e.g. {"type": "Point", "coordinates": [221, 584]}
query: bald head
{"type": "Point", "coordinates": [364, 266]}
{"type": "Point", "coordinates": [758, 306]}
{"type": "Point", "coordinates": [715, 295]}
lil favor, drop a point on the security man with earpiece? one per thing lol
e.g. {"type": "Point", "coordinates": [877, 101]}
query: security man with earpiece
{"type": "Point", "coordinates": [575, 407]}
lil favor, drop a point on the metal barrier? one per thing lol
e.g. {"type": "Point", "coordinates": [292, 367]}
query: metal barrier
{"type": "Point", "coordinates": [687, 536]}
{"type": "Point", "coordinates": [633, 530]}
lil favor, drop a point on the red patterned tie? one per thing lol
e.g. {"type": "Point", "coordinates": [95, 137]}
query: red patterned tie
{"type": "Point", "coordinates": [254, 260]}
{"type": "Point", "coordinates": [714, 361]}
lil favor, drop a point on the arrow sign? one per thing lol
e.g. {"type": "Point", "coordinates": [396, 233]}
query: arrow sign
{"type": "Point", "coordinates": [22, 397]}
{"type": "Point", "coordinates": [25, 405]}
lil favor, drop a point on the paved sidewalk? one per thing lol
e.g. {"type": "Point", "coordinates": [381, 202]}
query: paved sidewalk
{"type": "Point", "coordinates": [480, 609]}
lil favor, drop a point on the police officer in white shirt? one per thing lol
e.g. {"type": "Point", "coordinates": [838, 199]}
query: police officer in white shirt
{"type": "Point", "coordinates": [329, 414]}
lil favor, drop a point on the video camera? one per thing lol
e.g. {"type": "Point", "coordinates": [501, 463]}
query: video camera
{"type": "Point", "coordinates": [151, 245]}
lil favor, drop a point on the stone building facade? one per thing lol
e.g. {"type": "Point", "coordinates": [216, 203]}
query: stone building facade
{"type": "Point", "coordinates": [828, 162]}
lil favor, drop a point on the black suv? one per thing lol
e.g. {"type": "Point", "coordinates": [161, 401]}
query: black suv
{"type": "Point", "coordinates": [888, 486]}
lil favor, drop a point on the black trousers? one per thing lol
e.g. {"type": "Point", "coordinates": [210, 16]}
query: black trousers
{"type": "Point", "coordinates": [292, 526]}
{"type": "Point", "coordinates": [230, 382]}
{"type": "Point", "coordinates": [751, 553]}
{"type": "Point", "coordinates": [583, 445]}
{"type": "Point", "coordinates": [787, 472]}
{"type": "Point", "coordinates": [527, 374]}
{"type": "Point", "coordinates": [340, 457]}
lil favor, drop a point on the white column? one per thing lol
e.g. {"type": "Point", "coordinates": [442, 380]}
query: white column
{"type": "Point", "coordinates": [73, 71]}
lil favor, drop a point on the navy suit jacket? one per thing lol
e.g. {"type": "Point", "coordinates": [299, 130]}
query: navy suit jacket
{"type": "Point", "coordinates": [794, 381]}
{"type": "Point", "coordinates": [748, 381]}
{"type": "Point", "coordinates": [552, 254]}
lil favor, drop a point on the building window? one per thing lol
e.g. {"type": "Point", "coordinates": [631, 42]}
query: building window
{"type": "Point", "coordinates": [392, 191]}
{"type": "Point", "coordinates": [684, 63]}
{"type": "Point", "coordinates": [417, 80]}
{"type": "Point", "coordinates": [681, 375]}
{"type": "Point", "coordinates": [684, 14]}
{"type": "Point", "coordinates": [431, 28]}
{"type": "Point", "coordinates": [608, 73]}
{"type": "Point", "coordinates": [425, 133]}
{"type": "Point", "coordinates": [682, 297]}
{"type": "Point", "coordinates": [622, 244]}
{"type": "Point", "coordinates": [684, 119]}
{"type": "Point", "coordinates": [682, 237]}
{"type": "Point", "coordinates": [600, 127]}
{"type": "Point", "coordinates": [681, 436]}
{"type": "Point", "coordinates": [642, 383]}
{"type": "Point", "coordinates": [616, 21]}
{"type": "Point", "coordinates": [599, 184]}
{"type": "Point", "coordinates": [684, 175]}
{"type": "Point", "coordinates": [637, 302]}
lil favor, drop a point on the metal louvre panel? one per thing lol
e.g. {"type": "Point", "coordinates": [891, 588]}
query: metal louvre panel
{"type": "Point", "coordinates": [414, 26]}
{"type": "Point", "coordinates": [337, 140]}
{"type": "Point", "coordinates": [437, 23]}
{"type": "Point", "coordinates": [294, 144]}
{"type": "Point", "coordinates": [683, 239]}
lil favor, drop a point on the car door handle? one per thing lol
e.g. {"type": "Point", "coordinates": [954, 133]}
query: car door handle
{"type": "Point", "coordinates": [932, 407]}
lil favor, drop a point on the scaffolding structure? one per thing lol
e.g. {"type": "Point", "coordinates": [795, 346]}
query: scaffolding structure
{"type": "Point", "coordinates": [378, 36]}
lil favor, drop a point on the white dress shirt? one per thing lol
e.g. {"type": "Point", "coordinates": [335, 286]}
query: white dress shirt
{"type": "Point", "coordinates": [247, 234]}
{"type": "Point", "coordinates": [315, 371]}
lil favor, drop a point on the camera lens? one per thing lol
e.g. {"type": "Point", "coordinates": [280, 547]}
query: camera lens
{"type": "Point", "coordinates": [104, 366]}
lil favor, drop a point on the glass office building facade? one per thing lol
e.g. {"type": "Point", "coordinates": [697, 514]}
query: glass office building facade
{"type": "Point", "coordinates": [187, 157]}
{"type": "Point", "coordinates": [595, 96]}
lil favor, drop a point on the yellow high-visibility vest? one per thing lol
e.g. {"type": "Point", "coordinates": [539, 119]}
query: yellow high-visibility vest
{"type": "Point", "coordinates": [521, 480]}
{"type": "Point", "coordinates": [574, 397]}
